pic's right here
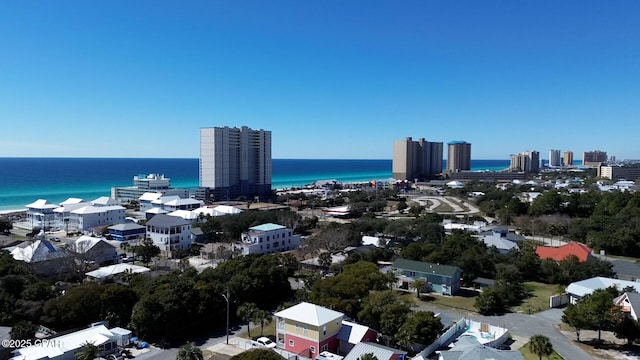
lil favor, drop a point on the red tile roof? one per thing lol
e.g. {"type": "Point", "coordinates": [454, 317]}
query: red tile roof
{"type": "Point", "coordinates": [560, 253]}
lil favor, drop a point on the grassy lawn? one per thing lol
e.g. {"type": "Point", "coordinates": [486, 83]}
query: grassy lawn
{"type": "Point", "coordinates": [464, 300]}
{"type": "Point", "coordinates": [269, 331]}
{"type": "Point", "coordinates": [443, 208]}
{"type": "Point", "coordinates": [538, 299]}
{"type": "Point", "coordinates": [529, 356]}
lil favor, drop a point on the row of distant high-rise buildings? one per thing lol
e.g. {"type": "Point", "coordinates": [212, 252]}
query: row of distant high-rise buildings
{"type": "Point", "coordinates": [423, 159]}
{"type": "Point", "coordinates": [529, 161]}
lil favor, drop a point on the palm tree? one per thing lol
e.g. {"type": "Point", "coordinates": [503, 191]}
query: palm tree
{"type": "Point", "coordinates": [419, 284]}
{"type": "Point", "coordinates": [245, 312]}
{"type": "Point", "coordinates": [262, 317]}
{"type": "Point", "coordinates": [540, 345]}
{"type": "Point", "coordinates": [88, 351]}
{"type": "Point", "coordinates": [189, 351]}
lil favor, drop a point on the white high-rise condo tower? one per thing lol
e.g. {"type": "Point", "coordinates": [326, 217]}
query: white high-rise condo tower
{"type": "Point", "coordinates": [234, 163]}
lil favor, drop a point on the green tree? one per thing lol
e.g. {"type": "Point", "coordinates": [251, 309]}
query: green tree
{"type": "Point", "coordinates": [324, 260]}
{"type": "Point", "coordinates": [489, 302]}
{"type": "Point", "coordinates": [540, 345]}
{"type": "Point", "coordinates": [5, 226]}
{"type": "Point", "coordinates": [88, 351]}
{"type": "Point", "coordinates": [262, 317]}
{"type": "Point", "coordinates": [599, 310]}
{"type": "Point", "coordinates": [147, 250]}
{"type": "Point", "coordinates": [421, 327]}
{"type": "Point", "coordinates": [418, 285]}
{"type": "Point", "coordinates": [574, 316]}
{"type": "Point", "coordinates": [628, 329]}
{"type": "Point", "coordinates": [245, 312]}
{"type": "Point", "coordinates": [257, 354]}
{"type": "Point", "coordinates": [368, 356]}
{"type": "Point", "coordinates": [23, 330]}
{"type": "Point", "coordinates": [189, 351]}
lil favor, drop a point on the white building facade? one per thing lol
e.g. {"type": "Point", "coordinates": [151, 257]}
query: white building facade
{"type": "Point", "coordinates": [169, 233]}
{"type": "Point", "coordinates": [268, 239]}
{"type": "Point", "coordinates": [87, 217]}
{"type": "Point", "coordinates": [235, 162]}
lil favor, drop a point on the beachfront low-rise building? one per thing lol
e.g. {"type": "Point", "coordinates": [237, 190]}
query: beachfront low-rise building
{"type": "Point", "coordinates": [169, 233]}
{"type": "Point", "coordinates": [86, 218]}
{"type": "Point", "coordinates": [40, 213]}
{"type": "Point", "coordinates": [268, 239]}
{"type": "Point", "coordinates": [147, 183]}
{"type": "Point", "coordinates": [63, 212]}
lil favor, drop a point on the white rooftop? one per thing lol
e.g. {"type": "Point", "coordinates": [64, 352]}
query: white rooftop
{"type": "Point", "coordinates": [71, 201]}
{"type": "Point", "coordinates": [150, 196]}
{"type": "Point", "coordinates": [84, 243]}
{"type": "Point", "coordinates": [40, 250]}
{"type": "Point", "coordinates": [68, 343]}
{"type": "Point", "coordinates": [91, 209]}
{"type": "Point", "coordinates": [185, 214]}
{"type": "Point", "coordinates": [586, 287]}
{"type": "Point", "coordinates": [267, 227]}
{"type": "Point", "coordinates": [111, 270]}
{"type": "Point", "coordinates": [104, 201]}
{"type": "Point", "coordinates": [311, 314]}
{"type": "Point", "coordinates": [180, 201]}
{"type": "Point", "coordinates": [42, 204]}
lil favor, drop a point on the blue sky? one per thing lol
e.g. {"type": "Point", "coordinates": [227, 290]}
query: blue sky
{"type": "Point", "coordinates": [330, 79]}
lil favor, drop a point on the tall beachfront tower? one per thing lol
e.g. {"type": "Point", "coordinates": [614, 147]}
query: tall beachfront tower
{"type": "Point", "coordinates": [235, 162]}
{"type": "Point", "coordinates": [528, 161]}
{"type": "Point", "coordinates": [567, 157]}
{"type": "Point", "coordinates": [594, 158]}
{"type": "Point", "coordinates": [458, 156]}
{"type": "Point", "coordinates": [416, 159]}
{"type": "Point", "coordinates": [554, 158]}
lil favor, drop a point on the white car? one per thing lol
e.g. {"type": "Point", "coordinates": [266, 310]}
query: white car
{"type": "Point", "coordinates": [264, 342]}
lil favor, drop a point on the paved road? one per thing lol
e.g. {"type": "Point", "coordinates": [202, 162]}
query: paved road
{"type": "Point", "coordinates": [525, 326]}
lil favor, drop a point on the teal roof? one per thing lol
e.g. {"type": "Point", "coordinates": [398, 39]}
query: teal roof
{"type": "Point", "coordinates": [267, 227]}
{"type": "Point", "coordinates": [457, 142]}
{"type": "Point", "coordinates": [427, 268]}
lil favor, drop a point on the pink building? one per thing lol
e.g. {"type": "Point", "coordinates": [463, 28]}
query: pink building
{"type": "Point", "coordinates": [308, 329]}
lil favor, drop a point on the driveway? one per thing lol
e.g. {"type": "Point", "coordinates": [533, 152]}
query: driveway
{"type": "Point", "coordinates": [525, 326]}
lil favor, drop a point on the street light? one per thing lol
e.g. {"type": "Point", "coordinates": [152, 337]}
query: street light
{"type": "Point", "coordinates": [227, 296]}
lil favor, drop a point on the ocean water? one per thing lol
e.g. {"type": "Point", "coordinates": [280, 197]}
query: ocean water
{"type": "Point", "coordinates": [24, 180]}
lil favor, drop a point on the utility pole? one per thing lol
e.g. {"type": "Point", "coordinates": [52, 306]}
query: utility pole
{"type": "Point", "coordinates": [227, 296]}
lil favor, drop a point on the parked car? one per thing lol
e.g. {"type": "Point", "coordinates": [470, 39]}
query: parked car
{"type": "Point", "coordinates": [263, 342]}
{"type": "Point", "coordinates": [56, 239]}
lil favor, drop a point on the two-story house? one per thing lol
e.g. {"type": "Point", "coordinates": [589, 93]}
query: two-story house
{"type": "Point", "coordinates": [169, 233]}
{"type": "Point", "coordinates": [443, 279]}
{"type": "Point", "coordinates": [308, 329]}
{"type": "Point", "coordinates": [88, 217]}
{"type": "Point", "coordinates": [268, 239]}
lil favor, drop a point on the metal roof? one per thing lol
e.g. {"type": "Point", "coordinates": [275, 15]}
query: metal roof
{"type": "Point", "coordinates": [379, 351]}
{"type": "Point", "coordinates": [427, 268]}
{"type": "Point", "coordinates": [586, 287]}
{"type": "Point", "coordinates": [267, 227]}
{"type": "Point", "coordinates": [311, 314]}
{"type": "Point", "coordinates": [166, 220]}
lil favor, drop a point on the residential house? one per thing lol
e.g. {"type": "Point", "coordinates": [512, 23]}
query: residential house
{"type": "Point", "coordinates": [94, 250]}
{"type": "Point", "coordinates": [629, 302]}
{"type": "Point", "coordinates": [63, 212]}
{"type": "Point", "coordinates": [380, 352]}
{"type": "Point", "coordinates": [182, 204]}
{"type": "Point", "coordinates": [582, 251]}
{"type": "Point", "coordinates": [468, 348]}
{"type": "Point", "coordinates": [626, 269]}
{"type": "Point", "coordinates": [149, 214]}
{"type": "Point", "coordinates": [44, 257]}
{"type": "Point", "coordinates": [169, 233]}
{"type": "Point", "coordinates": [352, 334]}
{"type": "Point", "coordinates": [443, 279]}
{"type": "Point", "coordinates": [112, 270]}
{"type": "Point", "coordinates": [65, 347]}
{"type": "Point", "coordinates": [308, 329]}
{"type": "Point", "coordinates": [127, 231]}
{"type": "Point", "coordinates": [579, 289]}
{"type": "Point", "coordinates": [218, 210]}
{"type": "Point", "coordinates": [40, 213]}
{"type": "Point", "coordinates": [499, 240]}
{"type": "Point", "coordinates": [268, 239]}
{"type": "Point", "coordinates": [146, 200]}
{"type": "Point", "coordinates": [86, 218]}
{"type": "Point", "coordinates": [105, 201]}
{"type": "Point", "coordinates": [188, 215]}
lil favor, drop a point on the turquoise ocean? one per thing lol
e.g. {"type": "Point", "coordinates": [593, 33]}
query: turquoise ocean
{"type": "Point", "coordinates": [24, 180]}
